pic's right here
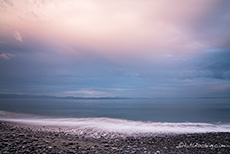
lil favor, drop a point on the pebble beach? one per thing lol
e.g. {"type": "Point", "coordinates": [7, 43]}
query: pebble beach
{"type": "Point", "coordinates": [18, 138]}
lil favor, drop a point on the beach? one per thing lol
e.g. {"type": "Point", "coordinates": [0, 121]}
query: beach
{"type": "Point", "coordinates": [23, 138]}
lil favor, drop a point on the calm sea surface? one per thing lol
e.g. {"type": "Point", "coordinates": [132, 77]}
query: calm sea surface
{"type": "Point", "coordinates": [156, 110]}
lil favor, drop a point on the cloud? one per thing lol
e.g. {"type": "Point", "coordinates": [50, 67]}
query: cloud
{"type": "Point", "coordinates": [87, 93]}
{"type": "Point", "coordinates": [212, 64]}
{"type": "Point", "coordinates": [6, 56]}
{"type": "Point", "coordinates": [18, 36]}
{"type": "Point", "coordinates": [115, 28]}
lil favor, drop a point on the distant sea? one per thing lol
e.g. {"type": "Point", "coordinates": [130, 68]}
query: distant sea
{"type": "Point", "coordinates": [187, 114]}
{"type": "Point", "coordinates": [155, 110]}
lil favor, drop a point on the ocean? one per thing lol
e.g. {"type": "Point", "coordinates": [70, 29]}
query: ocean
{"type": "Point", "coordinates": [123, 115]}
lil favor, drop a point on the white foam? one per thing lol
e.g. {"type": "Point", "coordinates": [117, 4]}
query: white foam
{"type": "Point", "coordinates": [99, 126]}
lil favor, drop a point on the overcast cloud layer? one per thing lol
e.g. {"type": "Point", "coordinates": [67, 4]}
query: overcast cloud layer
{"type": "Point", "coordinates": [125, 48]}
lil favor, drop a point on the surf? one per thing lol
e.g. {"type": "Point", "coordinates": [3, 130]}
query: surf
{"type": "Point", "coordinates": [95, 127]}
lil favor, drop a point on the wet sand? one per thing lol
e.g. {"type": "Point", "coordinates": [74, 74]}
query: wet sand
{"type": "Point", "coordinates": [21, 138]}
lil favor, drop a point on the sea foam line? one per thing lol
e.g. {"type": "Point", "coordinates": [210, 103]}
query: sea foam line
{"type": "Point", "coordinates": [117, 126]}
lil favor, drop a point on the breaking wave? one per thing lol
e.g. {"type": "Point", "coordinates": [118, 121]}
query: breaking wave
{"type": "Point", "coordinates": [95, 127]}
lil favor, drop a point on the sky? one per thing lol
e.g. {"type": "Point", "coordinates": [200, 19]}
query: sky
{"type": "Point", "coordinates": [115, 48]}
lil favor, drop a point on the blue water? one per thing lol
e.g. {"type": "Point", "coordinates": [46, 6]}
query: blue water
{"type": "Point", "coordinates": [156, 110]}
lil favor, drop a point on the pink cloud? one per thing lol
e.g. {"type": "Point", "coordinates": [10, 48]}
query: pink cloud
{"type": "Point", "coordinates": [18, 36]}
{"type": "Point", "coordinates": [118, 28]}
{"type": "Point", "coordinates": [85, 93]}
{"type": "Point", "coordinates": [6, 56]}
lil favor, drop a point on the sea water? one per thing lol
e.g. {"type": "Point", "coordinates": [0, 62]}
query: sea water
{"type": "Point", "coordinates": [128, 116]}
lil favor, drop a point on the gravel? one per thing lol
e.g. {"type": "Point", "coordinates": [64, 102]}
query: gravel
{"type": "Point", "coordinates": [15, 138]}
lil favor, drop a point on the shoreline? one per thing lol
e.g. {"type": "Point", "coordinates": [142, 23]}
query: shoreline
{"type": "Point", "coordinates": [24, 138]}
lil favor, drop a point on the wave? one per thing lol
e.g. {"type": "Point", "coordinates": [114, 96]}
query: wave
{"type": "Point", "coordinates": [104, 126]}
